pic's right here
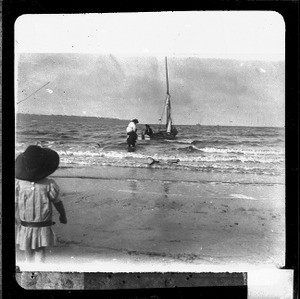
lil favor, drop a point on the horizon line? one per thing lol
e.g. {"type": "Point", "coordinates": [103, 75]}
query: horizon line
{"type": "Point", "coordinates": [122, 119]}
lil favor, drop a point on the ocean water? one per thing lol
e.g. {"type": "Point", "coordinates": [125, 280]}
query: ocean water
{"type": "Point", "coordinates": [90, 141]}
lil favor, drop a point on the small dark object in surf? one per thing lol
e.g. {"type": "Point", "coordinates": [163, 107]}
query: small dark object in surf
{"type": "Point", "coordinates": [151, 161]}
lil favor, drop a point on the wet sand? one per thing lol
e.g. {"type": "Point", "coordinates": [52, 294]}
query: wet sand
{"type": "Point", "coordinates": [154, 220]}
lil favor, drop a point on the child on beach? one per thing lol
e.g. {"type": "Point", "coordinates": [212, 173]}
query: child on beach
{"type": "Point", "coordinates": [34, 196]}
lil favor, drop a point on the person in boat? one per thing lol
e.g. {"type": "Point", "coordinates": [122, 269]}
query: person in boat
{"type": "Point", "coordinates": [131, 132]}
{"type": "Point", "coordinates": [148, 131]}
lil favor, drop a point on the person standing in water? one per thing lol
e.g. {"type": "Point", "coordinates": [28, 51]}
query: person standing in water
{"type": "Point", "coordinates": [148, 131]}
{"type": "Point", "coordinates": [34, 196]}
{"type": "Point", "coordinates": [131, 133]}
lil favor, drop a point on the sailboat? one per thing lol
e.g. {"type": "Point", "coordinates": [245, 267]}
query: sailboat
{"type": "Point", "coordinates": [169, 132]}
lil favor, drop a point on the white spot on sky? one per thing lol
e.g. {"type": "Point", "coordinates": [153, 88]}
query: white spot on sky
{"type": "Point", "coordinates": [261, 70]}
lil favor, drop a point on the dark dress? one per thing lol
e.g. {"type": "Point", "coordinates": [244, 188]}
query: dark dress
{"type": "Point", "coordinates": [131, 138]}
{"type": "Point", "coordinates": [148, 132]}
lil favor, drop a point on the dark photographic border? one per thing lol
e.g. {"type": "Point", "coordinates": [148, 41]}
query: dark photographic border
{"type": "Point", "coordinates": [12, 9]}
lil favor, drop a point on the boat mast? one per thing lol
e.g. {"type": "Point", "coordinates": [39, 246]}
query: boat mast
{"type": "Point", "coordinates": [168, 102]}
{"type": "Point", "coordinates": [167, 75]}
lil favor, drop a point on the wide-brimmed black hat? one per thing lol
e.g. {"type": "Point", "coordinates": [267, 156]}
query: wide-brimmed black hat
{"type": "Point", "coordinates": [135, 120]}
{"type": "Point", "coordinates": [36, 163]}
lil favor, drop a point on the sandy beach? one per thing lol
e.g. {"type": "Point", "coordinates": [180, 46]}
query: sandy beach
{"type": "Point", "coordinates": [125, 219]}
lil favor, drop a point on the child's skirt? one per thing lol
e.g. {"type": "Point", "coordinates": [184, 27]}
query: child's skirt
{"type": "Point", "coordinates": [34, 237]}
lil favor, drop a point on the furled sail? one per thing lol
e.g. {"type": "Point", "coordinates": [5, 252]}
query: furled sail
{"type": "Point", "coordinates": [170, 131]}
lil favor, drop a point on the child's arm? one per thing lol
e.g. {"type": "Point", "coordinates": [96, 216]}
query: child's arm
{"type": "Point", "coordinates": [61, 210]}
{"type": "Point", "coordinates": [17, 215]}
{"type": "Point", "coordinates": [54, 196]}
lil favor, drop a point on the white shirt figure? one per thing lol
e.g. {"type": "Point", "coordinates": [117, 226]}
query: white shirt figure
{"type": "Point", "coordinates": [131, 126]}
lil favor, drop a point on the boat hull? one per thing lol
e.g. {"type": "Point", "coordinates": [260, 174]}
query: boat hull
{"type": "Point", "coordinates": [164, 135]}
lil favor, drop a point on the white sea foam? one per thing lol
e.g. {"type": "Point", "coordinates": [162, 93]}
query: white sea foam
{"type": "Point", "coordinates": [241, 151]}
{"type": "Point", "coordinates": [216, 157]}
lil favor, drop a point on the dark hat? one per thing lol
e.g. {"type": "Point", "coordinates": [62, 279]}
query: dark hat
{"type": "Point", "coordinates": [36, 163]}
{"type": "Point", "coordinates": [135, 120]}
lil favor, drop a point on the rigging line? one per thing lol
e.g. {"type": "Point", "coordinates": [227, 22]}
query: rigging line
{"type": "Point", "coordinates": [167, 76]}
{"type": "Point", "coordinates": [33, 93]}
{"type": "Point", "coordinates": [162, 115]}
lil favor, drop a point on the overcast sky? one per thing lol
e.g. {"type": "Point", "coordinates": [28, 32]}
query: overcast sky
{"type": "Point", "coordinates": [225, 68]}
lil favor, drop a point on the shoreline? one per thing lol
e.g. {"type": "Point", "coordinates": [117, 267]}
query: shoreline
{"type": "Point", "coordinates": [164, 174]}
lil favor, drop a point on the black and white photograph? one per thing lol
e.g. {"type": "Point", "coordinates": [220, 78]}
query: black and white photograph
{"type": "Point", "coordinates": [150, 142]}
